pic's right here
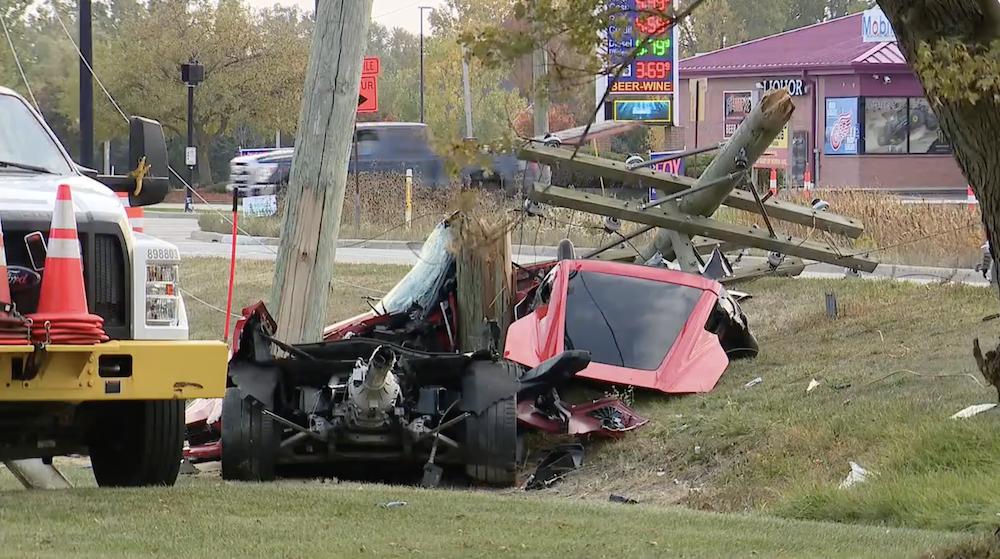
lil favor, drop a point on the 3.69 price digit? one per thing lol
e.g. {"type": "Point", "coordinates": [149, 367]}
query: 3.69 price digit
{"type": "Point", "coordinates": [652, 70]}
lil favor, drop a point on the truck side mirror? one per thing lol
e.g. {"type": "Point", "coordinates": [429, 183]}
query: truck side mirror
{"type": "Point", "coordinates": [145, 139]}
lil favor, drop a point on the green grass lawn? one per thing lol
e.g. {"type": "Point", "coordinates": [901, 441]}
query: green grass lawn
{"type": "Point", "coordinates": [205, 518]}
{"type": "Point", "coordinates": [892, 370]}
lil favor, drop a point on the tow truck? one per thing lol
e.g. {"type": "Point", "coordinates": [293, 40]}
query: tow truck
{"type": "Point", "coordinates": [121, 402]}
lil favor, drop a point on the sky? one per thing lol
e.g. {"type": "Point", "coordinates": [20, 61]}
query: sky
{"type": "Point", "coordinates": [391, 13]}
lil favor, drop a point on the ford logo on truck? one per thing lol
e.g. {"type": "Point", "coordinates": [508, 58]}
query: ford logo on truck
{"type": "Point", "coordinates": [21, 278]}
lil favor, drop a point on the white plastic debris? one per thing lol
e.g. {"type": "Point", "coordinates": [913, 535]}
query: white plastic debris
{"type": "Point", "coordinates": [754, 382]}
{"type": "Point", "coordinates": [812, 385]}
{"type": "Point", "coordinates": [973, 410]}
{"type": "Point", "coordinates": [857, 475]}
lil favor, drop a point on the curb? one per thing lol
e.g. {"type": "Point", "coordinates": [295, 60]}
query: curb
{"type": "Point", "coordinates": [170, 215]}
{"type": "Point", "coordinates": [352, 243]}
{"type": "Point", "coordinates": [896, 271]}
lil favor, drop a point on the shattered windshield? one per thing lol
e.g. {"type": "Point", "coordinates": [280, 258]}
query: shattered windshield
{"type": "Point", "coordinates": [24, 141]}
{"type": "Point", "coordinates": [623, 321]}
{"type": "Point", "coordinates": [423, 282]}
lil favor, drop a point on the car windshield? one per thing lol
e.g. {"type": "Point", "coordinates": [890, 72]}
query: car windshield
{"type": "Point", "coordinates": [24, 141]}
{"type": "Point", "coordinates": [624, 321]}
{"type": "Point", "coordinates": [422, 284]}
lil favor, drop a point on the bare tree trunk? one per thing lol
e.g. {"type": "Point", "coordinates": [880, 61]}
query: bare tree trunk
{"type": "Point", "coordinates": [318, 178]}
{"type": "Point", "coordinates": [968, 110]}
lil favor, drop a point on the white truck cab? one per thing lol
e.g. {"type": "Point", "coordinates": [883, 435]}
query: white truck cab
{"type": "Point", "coordinates": [122, 401]}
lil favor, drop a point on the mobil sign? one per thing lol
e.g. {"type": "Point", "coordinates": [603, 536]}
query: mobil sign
{"type": "Point", "coordinates": [875, 27]}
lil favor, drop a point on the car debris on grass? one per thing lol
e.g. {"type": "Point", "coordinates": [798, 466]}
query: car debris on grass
{"type": "Point", "coordinates": [389, 385]}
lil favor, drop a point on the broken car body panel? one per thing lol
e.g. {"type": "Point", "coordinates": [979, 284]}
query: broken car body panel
{"type": "Point", "coordinates": [644, 326]}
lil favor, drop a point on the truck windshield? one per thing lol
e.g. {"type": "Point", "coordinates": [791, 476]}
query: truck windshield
{"type": "Point", "coordinates": [24, 141]}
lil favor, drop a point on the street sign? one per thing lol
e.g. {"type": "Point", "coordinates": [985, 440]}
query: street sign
{"type": "Point", "coordinates": [368, 97]}
{"type": "Point", "coordinates": [371, 66]}
{"type": "Point", "coordinates": [190, 156]}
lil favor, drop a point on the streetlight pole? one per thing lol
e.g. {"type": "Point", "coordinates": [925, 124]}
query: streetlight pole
{"type": "Point", "coordinates": [86, 86]}
{"type": "Point", "coordinates": [422, 8]}
{"type": "Point", "coordinates": [192, 74]}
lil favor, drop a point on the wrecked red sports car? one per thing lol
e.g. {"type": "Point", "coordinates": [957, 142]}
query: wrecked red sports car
{"type": "Point", "coordinates": [619, 323]}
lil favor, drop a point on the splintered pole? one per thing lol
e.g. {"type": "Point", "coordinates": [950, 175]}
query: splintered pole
{"type": "Point", "coordinates": [318, 178]}
{"type": "Point", "coordinates": [484, 278]}
{"type": "Point", "coordinates": [753, 136]}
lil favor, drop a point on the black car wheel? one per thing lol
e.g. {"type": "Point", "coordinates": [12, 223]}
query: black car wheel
{"type": "Point", "coordinates": [493, 444]}
{"type": "Point", "coordinates": [249, 439]}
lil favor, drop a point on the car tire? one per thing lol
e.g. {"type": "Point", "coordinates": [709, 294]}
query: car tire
{"type": "Point", "coordinates": [494, 445]}
{"type": "Point", "coordinates": [249, 439]}
{"type": "Point", "coordinates": [137, 443]}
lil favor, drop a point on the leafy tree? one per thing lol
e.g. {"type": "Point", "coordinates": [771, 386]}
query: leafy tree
{"type": "Point", "coordinates": [954, 48]}
{"type": "Point", "coordinates": [495, 101]}
{"type": "Point", "coordinates": [254, 67]}
{"type": "Point", "coordinates": [715, 26]}
{"type": "Point", "coordinates": [561, 117]}
{"type": "Point", "coordinates": [13, 15]}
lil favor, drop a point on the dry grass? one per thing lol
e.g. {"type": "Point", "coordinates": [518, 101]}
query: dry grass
{"type": "Point", "coordinates": [946, 235]}
{"type": "Point", "coordinates": [918, 234]}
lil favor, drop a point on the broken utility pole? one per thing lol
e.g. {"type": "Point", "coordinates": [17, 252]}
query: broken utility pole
{"type": "Point", "coordinates": [683, 216]}
{"type": "Point", "coordinates": [318, 178]}
{"type": "Point", "coordinates": [484, 276]}
{"type": "Point", "coordinates": [730, 166]}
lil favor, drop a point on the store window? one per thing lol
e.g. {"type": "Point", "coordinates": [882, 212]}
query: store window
{"type": "Point", "coordinates": [901, 125]}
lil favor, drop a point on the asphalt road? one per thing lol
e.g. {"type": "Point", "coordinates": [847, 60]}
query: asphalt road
{"type": "Point", "coordinates": [178, 230]}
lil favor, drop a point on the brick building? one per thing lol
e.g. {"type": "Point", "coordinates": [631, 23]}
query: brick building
{"type": "Point", "coordinates": [860, 121]}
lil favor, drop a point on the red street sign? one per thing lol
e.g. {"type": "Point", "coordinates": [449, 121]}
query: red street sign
{"type": "Point", "coordinates": [368, 97]}
{"type": "Point", "coordinates": [371, 66]}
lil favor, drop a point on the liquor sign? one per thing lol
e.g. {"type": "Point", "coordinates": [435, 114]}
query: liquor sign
{"type": "Point", "coordinates": [796, 87]}
{"type": "Point", "coordinates": [652, 76]}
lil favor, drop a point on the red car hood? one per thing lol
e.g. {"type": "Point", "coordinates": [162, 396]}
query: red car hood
{"type": "Point", "coordinates": [695, 359]}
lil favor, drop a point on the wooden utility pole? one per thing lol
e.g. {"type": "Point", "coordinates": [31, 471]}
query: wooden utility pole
{"type": "Point", "coordinates": [318, 178]}
{"type": "Point", "coordinates": [483, 279]}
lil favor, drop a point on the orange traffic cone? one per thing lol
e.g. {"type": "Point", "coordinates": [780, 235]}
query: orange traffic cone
{"type": "Point", "coordinates": [135, 215]}
{"type": "Point", "coordinates": [62, 316]}
{"type": "Point", "coordinates": [13, 327]}
{"type": "Point", "coordinates": [970, 198]}
{"type": "Point", "coordinates": [774, 182]}
{"type": "Point", "coordinates": [807, 187]}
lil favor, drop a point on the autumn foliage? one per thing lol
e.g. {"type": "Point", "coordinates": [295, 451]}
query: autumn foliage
{"type": "Point", "coordinates": [560, 118]}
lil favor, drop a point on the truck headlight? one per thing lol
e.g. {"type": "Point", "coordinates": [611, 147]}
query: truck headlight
{"type": "Point", "coordinates": [162, 300]}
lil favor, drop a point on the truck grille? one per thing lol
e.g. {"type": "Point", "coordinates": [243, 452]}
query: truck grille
{"type": "Point", "coordinates": [105, 277]}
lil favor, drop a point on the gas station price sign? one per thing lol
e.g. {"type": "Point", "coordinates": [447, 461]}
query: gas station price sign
{"type": "Point", "coordinates": [654, 69]}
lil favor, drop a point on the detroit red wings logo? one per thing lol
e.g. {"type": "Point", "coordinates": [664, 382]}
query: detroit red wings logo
{"type": "Point", "coordinates": [840, 130]}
